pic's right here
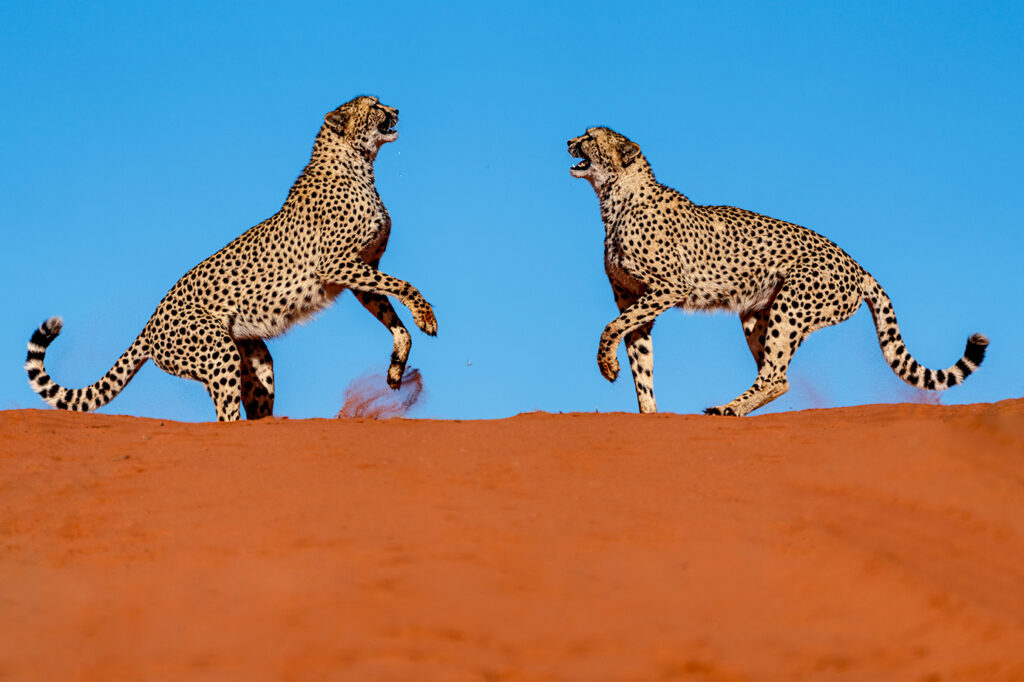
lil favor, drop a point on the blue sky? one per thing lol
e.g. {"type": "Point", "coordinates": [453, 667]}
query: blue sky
{"type": "Point", "coordinates": [138, 138]}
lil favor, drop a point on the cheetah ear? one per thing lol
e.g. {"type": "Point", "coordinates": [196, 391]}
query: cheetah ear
{"type": "Point", "coordinates": [336, 121]}
{"type": "Point", "coordinates": [628, 152]}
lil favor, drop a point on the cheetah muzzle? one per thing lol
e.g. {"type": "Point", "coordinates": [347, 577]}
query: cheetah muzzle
{"type": "Point", "coordinates": [784, 281]}
{"type": "Point", "coordinates": [328, 237]}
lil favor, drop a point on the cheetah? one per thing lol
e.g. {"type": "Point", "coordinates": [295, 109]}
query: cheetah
{"type": "Point", "coordinates": [661, 251]}
{"type": "Point", "coordinates": [329, 236]}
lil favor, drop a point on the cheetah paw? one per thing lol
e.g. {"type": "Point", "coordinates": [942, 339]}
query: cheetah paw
{"type": "Point", "coordinates": [427, 322]}
{"type": "Point", "coordinates": [609, 368]}
{"type": "Point", "coordinates": [723, 411]}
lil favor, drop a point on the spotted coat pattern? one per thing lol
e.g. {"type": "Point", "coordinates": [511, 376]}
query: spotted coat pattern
{"type": "Point", "coordinates": [784, 281]}
{"type": "Point", "coordinates": [329, 236]}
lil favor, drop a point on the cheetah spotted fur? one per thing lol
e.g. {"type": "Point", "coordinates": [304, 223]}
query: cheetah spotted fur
{"type": "Point", "coordinates": [329, 236]}
{"type": "Point", "coordinates": [785, 281]}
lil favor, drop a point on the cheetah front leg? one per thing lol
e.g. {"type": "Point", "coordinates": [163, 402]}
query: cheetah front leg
{"type": "Point", "coordinates": [640, 351]}
{"type": "Point", "coordinates": [359, 276]}
{"type": "Point", "coordinates": [641, 313]}
{"type": "Point", "coordinates": [380, 307]}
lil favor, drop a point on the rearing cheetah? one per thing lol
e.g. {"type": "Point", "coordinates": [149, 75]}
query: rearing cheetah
{"type": "Point", "coordinates": [329, 236]}
{"type": "Point", "coordinates": [785, 281]}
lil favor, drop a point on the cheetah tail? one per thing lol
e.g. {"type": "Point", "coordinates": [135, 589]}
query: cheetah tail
{"type": "Point", "coordinates": [897, 355]}
{"type": "Point", "coordinates": [77, 399]}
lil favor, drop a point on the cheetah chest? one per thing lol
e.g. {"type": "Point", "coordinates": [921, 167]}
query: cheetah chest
{"type": "Point", "coordinates": [622, 262]}
{"type": "Point", "coordinates": [378, 229]}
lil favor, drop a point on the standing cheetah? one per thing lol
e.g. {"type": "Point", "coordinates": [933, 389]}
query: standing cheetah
{"type": "Point", "coordinates": [328, 237]}
{"type": "Point", "coordinates": [661, 250]}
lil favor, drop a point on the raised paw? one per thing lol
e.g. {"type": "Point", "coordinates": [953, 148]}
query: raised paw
{"type": "Point", "coordinates": [722, 411]}
{"type": "Point", "coordinates": [609, 367]}
{"type": "Point", "coordinates": [426, 320]}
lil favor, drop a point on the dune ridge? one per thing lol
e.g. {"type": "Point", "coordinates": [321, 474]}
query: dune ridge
{"type": "Point", "coordinates": [882, 542]}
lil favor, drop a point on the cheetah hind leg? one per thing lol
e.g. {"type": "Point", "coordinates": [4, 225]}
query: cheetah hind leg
{"type": "Point", "coordinates": [216, 361]}
{"type": "Point", "coordinates": [380, 307]}
{"type": "Point", "coordinates": [223, 378]}
{"type": "Point", "coordinates": [257, 377]}
{"type": "Point", "coordinates": [772, 354]}
{"type": "Point", "coordinates": [755, 329]}
{"type": "Point", "coordinates": [786, 323]}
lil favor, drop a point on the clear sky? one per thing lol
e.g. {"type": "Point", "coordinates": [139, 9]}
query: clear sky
{"type": "Point", "coordinates": [139, 138]}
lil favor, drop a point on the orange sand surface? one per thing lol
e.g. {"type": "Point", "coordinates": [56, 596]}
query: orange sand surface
{"type": "Point", "coordinates": [872, 543]}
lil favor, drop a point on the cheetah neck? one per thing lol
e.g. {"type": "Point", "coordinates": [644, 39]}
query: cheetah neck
{"type": "Point", "coordinates": [331, 161]}
{"type": "Point", "coordinates": [634, 181]}
{"type": "Point", "coordinates": [626, 188]}
{"type": "Point", "coordinates": [331, 151]}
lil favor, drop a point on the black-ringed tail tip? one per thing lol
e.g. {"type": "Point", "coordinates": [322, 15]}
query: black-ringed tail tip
{"type": "Point", "coordinates": [46, 333]}
{"type": "Point", "coordinates": [41, 338]}
{"type": "Point", "coordinates": [910, 371]}
{"type": "Point", "coordinates": [974, 353]}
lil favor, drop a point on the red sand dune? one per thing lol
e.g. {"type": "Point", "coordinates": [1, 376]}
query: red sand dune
{"type": "Point", "coordinates": [870, 543]}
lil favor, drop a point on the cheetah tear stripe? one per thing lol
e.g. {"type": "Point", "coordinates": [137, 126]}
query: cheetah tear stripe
{"type": "Point", "coordinates": [76, 399]}
{"type": "Point", "coordinates": [899, 358]}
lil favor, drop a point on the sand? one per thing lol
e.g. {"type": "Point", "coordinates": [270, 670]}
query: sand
{"type": "Point", "coordinates": [870, 543]}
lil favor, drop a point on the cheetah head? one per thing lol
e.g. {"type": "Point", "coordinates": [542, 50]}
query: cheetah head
{"type": "Point", "coordinates": [364, 123]}
{"type": "Point", "coordinates": [604, 154]}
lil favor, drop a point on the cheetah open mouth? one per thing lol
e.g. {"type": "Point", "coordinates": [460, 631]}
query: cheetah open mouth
{"type": "Point", "coordinates": [578, 153]}
{"type": "Point", "coordinates": [387, 126]}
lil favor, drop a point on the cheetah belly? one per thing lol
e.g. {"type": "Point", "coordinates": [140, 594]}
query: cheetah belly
{"type": "Point", "coordinates": [283, 308]}
{"type": "Point", "coordinates": [732, 280]}
{"type": "Point", "coordinates": [734, 292]}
